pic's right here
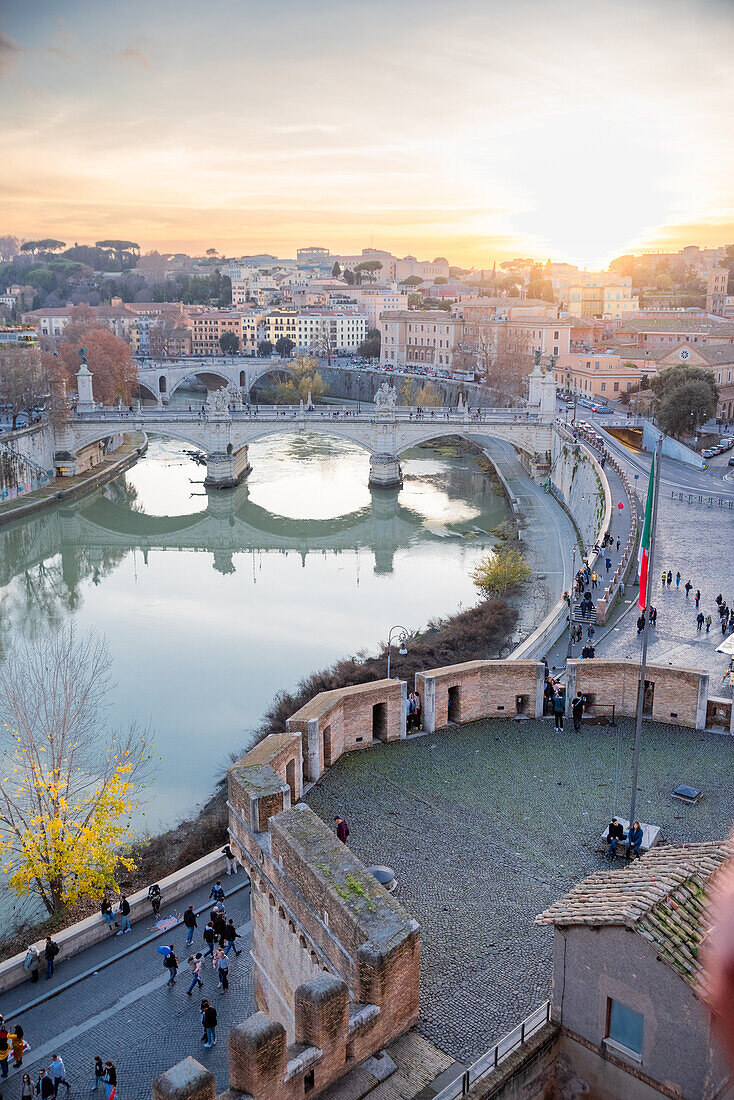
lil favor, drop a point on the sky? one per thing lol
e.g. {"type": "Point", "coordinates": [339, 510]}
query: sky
{"type": "Point", "coordinates": [478, 131]}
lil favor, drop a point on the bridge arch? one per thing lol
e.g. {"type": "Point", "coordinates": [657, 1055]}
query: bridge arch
{"type": "Point", "coordinates": [181, 432]}
{"type": "Point", "coordinates": [148, 390]}
{"type": "Point", "coordinates": [202, 375]}
{"type": "Point", "coordinates": [326, 428]}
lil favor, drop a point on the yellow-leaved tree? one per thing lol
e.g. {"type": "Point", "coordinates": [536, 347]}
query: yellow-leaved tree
{"type": "Point", "coordinates": [68, 789]}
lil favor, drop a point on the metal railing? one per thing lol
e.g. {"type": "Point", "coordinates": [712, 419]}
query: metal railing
{"type": "Point", "coordinates": [601, 710]}
{"type": "Point", "coordinates": [702, 498]}
{"type": "Point", "coordinates": [497, 1054]}
{"type": "Point", "coordinates": [295, 412]}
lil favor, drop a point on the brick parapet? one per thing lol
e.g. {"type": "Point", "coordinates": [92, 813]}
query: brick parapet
{"type": "Point", "coordinates": [480, 689]}
{"type": "Point", "coordinates": [679, 695]}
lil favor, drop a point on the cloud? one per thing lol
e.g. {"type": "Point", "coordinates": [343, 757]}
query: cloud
{"type": "Point", "coordinates": [133, 55]}
{"type": "Point", "coordinates": [9, 50]}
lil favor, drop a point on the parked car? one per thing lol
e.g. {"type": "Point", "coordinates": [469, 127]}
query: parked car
{"type": "Point", "coordinates": [708, 452]}
{"type": "Point", "coordinates": [731, 461]}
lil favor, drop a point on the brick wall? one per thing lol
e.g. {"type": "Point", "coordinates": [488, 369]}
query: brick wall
{"type": "Point", "coordinates": [679, 695]}
{"type": "Point", "coordinates": [480, 689]}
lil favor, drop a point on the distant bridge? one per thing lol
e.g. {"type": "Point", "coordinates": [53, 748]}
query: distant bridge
{"type": "Point", "coordinates": [160, 378]}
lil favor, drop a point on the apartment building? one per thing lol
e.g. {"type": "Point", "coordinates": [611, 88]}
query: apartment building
{"type": "Point", "coordinates": [602, 298]}
{"type": "Point", "coordinates": [599, 374]}
{"type": "Point", "coordinates": [414, 337]}
{"type": "Point", "coordinates": [665, 333]}
{"type": "Point", "coordinates": [52, 322]}
{"type": "Point", "coordinates": [209, 325]}
{"type": "Point", "coordinates": [480, 309]}
{"type": "Point", "coordinates": [718, 301]}
{"type": "Point", "coordinates": [330, 329]}
{"type": "Point", "coordinates": [372, 301]}
{"type": "Point", "coordinates": [276, 323]}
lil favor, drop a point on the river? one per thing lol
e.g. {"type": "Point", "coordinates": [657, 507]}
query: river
{"type": "Point", "coordinates": [211, 602]}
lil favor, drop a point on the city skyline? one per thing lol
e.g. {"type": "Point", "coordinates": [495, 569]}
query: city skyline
{"type": "Point", "coordinates": [535, 132]}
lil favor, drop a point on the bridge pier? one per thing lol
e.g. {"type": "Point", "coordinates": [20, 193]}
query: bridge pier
{"type": "Point", "coordinates": [385, 472]}
{"type": "Point", "coordinates": [225, 469]}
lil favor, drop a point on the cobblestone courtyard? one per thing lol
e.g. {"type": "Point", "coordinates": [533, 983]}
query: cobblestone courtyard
{"type": "Point", "coordinates": [488, 824]}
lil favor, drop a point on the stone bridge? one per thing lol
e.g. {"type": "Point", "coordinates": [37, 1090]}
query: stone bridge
{"type": "Point", "coordinates": [223, 428]}
{"type": "Point", "coordinates": [160, 378]}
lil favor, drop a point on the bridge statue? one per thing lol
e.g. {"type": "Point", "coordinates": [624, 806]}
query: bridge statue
{"type": "Point", "coordinates": [218, 402]}
{"type": "Point", "coordinates": [386, 400]}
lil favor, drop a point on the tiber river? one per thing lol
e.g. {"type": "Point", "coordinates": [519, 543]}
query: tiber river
{"type": "Point", "coordinates": [212, 602]}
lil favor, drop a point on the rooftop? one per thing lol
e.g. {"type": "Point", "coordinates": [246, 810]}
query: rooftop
{"type": "Point", "coordinates": [678, 324]}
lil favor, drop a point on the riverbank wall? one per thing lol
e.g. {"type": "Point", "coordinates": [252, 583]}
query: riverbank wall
{"type": "Point", "coordinates": [362, 385]}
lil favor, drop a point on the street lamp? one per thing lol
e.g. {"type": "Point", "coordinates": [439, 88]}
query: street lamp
{"type": "Point", "coordinates": [402, 634]}
{"type": "Point", "coordinates": [570, 601]}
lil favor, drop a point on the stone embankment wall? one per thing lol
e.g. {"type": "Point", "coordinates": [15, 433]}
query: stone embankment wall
{"type": "Point", "coordinates": [579, 482]}
{"type": "Point", "coordinates": [34, 444]}
{"type": "Point", "coordinates": [362, 385]}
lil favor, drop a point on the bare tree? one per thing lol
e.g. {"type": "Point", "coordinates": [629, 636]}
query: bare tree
{"type": "Point", "coordinates": [67, 790]}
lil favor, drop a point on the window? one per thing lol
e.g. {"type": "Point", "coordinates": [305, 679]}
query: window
{"type": "Point", "coordinates": [625, 1027]}
{"type": "Point", "coordinates": [616, 387]}
{"type": "Point", "coordinates": [603, 387]}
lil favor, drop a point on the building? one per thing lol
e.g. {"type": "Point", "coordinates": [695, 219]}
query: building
{"type": "Point", "coordinates": [480, 309]}
{"type": "Point", "coordinates": [313, 256]}
{"type": "Point", "coordinates": [19, 336]}
{"type": "Point", "coordinates": [717, 358]}
{"type": "Point", "coordinates": [276, 323]}
{"type": "Point", "coordinates": [372, 301]}
{"type": "Point", "coordinates": [413, 337]}
{"type": "Point", "coordinates": [666, 333]}
{"type": "Point", "coordinates": [399, 270]}
{"type": "Point", "coordinates": [599, 374]}
{"type": "Point", "coordinates": [627, 979]}
{"type": "Point", "coordinates": [330, 331]}
{"type": "Point", "coordinates": [718, 300]}
{"type": "Point", "coordinates": [602, 296]}
{"type": "Point", "coordinates": [210, 325]}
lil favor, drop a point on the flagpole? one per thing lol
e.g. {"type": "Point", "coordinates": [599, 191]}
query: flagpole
{"type": "Point", "coordinates": [646, 628]}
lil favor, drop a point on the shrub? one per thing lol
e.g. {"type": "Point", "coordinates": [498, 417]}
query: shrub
{"type": "Point", "coordinates": [500, 572]}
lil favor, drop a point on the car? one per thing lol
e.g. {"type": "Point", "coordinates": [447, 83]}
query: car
{"type": "Point", "coordinates": [708, 452]}
{"type": "Point", "coordinates": [731, 461]}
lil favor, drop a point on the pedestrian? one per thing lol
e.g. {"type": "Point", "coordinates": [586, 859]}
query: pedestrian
{"type": "Point", "coordinates": [170, 962]}
{"type": "Point", "coordinates": [548, 693]}
{"type": "Point", "coordinates": [664, 578]}
{"type": "Point", "coordinates": [31, 962]}
{"type": "Point", "coordinates": [618, 544]}
{"type": "Point", "coordinates": [230, 858]}
{"type": "Point", "coordinates": [99, 1072]}
{"type": "Point", "coordinates": [614, 833]}
{"type": "Point", "coordinates": [26, 1087]}
{"type": "Point", "coordinates": [221, 965]}
{"type": "Point", "coordinates": [195, 964]}
{"type": "Point", "coordinates": [670, 577]}
{"type": "Point", "coordinates": [50, 952]}
{"type": "Point", "coordinates": [124, 911]}
{"type": "Point", "coordinates": [724, 622]}
{"type": "Point", "coordinates": [18, 1044]}
{"type": "Point", "coordinates": [653, 615]}
{"type": "Point", "coordinates": [608, 563]}
{"type": "Point", "coordinates": [559, 705]}
{"type": "Point", "coordinates": [708, 623]}
{"type": "Point", "coordinates": [640, 623]}
{"type": "Point", "coordinates": [342, 829]}
{"type": "Point", "coordinates": [634, 840]}
{"type": "Point", "coordinates": [106, 911]}
{"type": "Point", "coordinates": [719, 599]}
{"type": "Point", "coordinates": [189, 919]}
{"type": "Point", "coordinates": [154, 897]}
{"type": "Point", "coordinates": [209, 1023]}
{"type": "Point", "coordinates": [220, 926]}
{"type": "Point", "coordinates": [688, 586]}
{"type": "Point", "coordinates": [230, 935]}
{"type": "Point", "coordinates": [5, 1049]}
{"type": "Point", "coordinates": [577, 708]}
{"type": "Point", "coordinates": [58, 1074]}
{"type": "Point", "coordinates": [677, 580]}
{"type": "Point", "coordinates": [699, 620]}
{"type": "Point", "coordinates": [209, 939]}
{"type": "Point", "coordinates": [217, 891]}
{"type": "Point", "coordinates": [595, 580]}
{"type": "Point", "coordinates": [44, 1086]}
{"type": "Point", "coordinates": [698, 596]}
{"type": "Point", "coordinates": [110, 1080]}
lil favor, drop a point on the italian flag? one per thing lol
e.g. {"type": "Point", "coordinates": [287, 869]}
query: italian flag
{"type": "Point", "coordinates": [644, 558]}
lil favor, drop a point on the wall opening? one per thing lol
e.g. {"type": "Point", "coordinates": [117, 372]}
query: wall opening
{"type": "Point", "coordinates": [521, 704]}
{"type": "Point", "coordinates": [308, 1081]}
{"type": "Point", "coordinates": [243, 378]}
{"type": "Point", "coordinates": [647, 699]}
{"type": "Point", "coordinates": [290, 778]}
{"type": "Point", "coordinates": [379, 721]}
{"type": "Point", "coordinates": [327, 748]}
{"type": "Point", "coordinates": [454, 714]}
{"type": "Point", "coordinates": [162, 384]}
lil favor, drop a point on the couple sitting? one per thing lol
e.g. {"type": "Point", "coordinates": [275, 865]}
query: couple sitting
{"type": "Point", "coordinates": [616, 833]}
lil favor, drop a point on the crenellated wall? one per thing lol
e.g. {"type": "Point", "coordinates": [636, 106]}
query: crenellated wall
{"type": "Point", "coordinates": [480, 689]}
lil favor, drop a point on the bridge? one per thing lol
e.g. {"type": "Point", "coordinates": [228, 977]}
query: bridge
{"type": "Point", "coordinates": [160, 378]}
{"type": "Point", "coordinates": [224, 427]}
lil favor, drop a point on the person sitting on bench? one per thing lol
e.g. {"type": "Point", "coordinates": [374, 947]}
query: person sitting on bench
{"type": "Point", "coordinates": [634, 840]}
{"type": "Point", "coordinates": [616, 832]}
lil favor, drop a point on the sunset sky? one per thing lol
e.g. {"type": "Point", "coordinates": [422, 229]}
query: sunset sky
{"type": "Point", "coordinates": [477, 131]}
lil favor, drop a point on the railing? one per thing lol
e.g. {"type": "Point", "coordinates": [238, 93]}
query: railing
{"type": "Point", "coordinates": [701, 498]}
{"type": "Point", "coordinates": [497, 1054]}
{"type": "Point", "coordinates": [402, 414]}
{"type": "Point", "coordinates": [592, 708]}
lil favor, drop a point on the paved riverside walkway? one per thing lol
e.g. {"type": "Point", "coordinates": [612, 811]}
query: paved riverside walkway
{"type": "Point", "coordinates": [112, 1000]}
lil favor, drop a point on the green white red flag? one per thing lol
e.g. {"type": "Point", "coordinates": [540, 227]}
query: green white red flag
{"type": "Point", "coordinates": [644, 558]}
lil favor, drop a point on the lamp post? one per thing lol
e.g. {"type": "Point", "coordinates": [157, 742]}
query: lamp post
{"type": "Point", "coordinates": [570, 600]}
{"type": "Point", "coordinates": [400, 633]}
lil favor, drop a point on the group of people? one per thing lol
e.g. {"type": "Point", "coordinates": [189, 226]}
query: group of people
{"type": "Point", "coordinates": [554, 695]}
{"type": "Point", "coordinates": [32, 961]}
{"type": "Point", "coordinates": [12, 1044]}
{"type": "Point", "coordinates": [615, 833]}
{"type": "Point", "coordinates": [220, 937]}
{"type": "Point", "coordinates": [726, 614]}
{"type": "Point", "coordinates": [117, 928]}
{"type": "Point", "coordinates": [413, 717]}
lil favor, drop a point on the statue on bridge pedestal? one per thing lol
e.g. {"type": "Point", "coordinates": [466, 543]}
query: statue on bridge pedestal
{"type": "Point", "coordinates": [218, 402]}
{"type": "Point", "coordinates": [386, 400]}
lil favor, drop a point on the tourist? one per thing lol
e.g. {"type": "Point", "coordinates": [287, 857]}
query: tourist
{"type": "Point", "coordinates": [577, 708]}
{"type": "Point", "coordinates": [99, 1072]}
{"type": "Point", "coordinates": [220, 925]}
{"type": "Point", "coordinates": [110, 1080]}
{"type": "Point", "coordinates": [154, 897]}
{"type": "Point", "coordinates": [418, 709]}
{"type": "Point", "coordinates": [688, 586]}
{"type": "Point", "coordinates": [170, 962]}
{"type": "Point", "coordinates": [698, 596]}
{"type": "Point", "coordinates": [719, 599]}
{"type": "Point", "coordinates": [634, 840]}
{"type": "Point", "coordinates": [709, 620]}
{"type": "Point", "coordinates": [58, 1073]}
{"type": "Point", "coordinates": [548, 693]}
{"type": "Point", "coordinates": [189, 919]}
{"type": "Point", "coordinates": [342, 829]}
{"type": "Point", "coordinates": [217, 891]}
{"type": "Point", "coordinates": [594, 580]}
{"type": "Point", "coordinates": [45, 1086]}
{"type": "Point", "coordinates": [195, 965]}
{"type": "Point", "coordinates": [124, 911]}
{"type": "Point", "coordinates": [32, 962]}
{"type": "Point", "coordinates": [106, 911]}
{"type": "Point", "coordinates": [608, 563]}
{"type": "Point", "coordinates": [653, 615]}
{"type": "Point", "coordinates": [50, 952]}
{"type": "Point", "coordinates": [670, 578]}
{"type": "Point", "coordinates": [230, 935]}
{"type": "Point", "coordinates": [640, 622]}
{"type": "Point", "coordinates": [209, 936]}
{"type": "Point", "coordinates": [230, 858]}
{"type": "Point", "coordinates": [699, 620]}
{"type": "Point", "coordinates": [559, 705]}
{"type": "Point", "coordinates": [663, 578]}
{"type": "Point", "coordinates": [677, 580]}
{"type": "Point", "coordinates": [615, 833]}
{"type": "Point", "coordinates": [410, 712]}
{"type": "Point", "coordinates": [5, 1048]}
{"type": "Point", "coordinates": [18, 1045]}
{"type": "Point", "coordinates": [618, 545]}
{"type": "Point", "coordinates": [26, 1087]}
{"type": "Point", "coordinates": [209, 1023]}
{"type": "Point", "coordinates": [220, 964]}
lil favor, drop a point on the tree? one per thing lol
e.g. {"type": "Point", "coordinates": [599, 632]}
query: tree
{"type": "Point", "coordinates": [265, 349]}
{"type": "Point", "coordinates": [368, 268]}
{"type": "Point", "coordinates": [501, 571]}
{"type": "Point", "coordinates": [24, 380]}
{"type": "Point", "coordinates": [349, 276]}
{"type": "Point", "coordinates": [212, 252]}
{"type": "Point", "coordinates": [325, 342]}
{"type": "Point", "coordinates": [9, 248]}
{"type": "Point", "coordinates": [305, 379]}
{"type": "Point", "coordinates": [121, 249]}
{"type": "Point", "coordinates": [412, 280]}
{"type": "Point", "coordinates": [370, 346]}
{"type": "Point", "coordinates": [687, 398]}
{"type": "Point", "coordinates": [68, 789]}
{"type": "Point", "coordinates": [110, 358]}
{"type": "Point", "coordinates": [229, 342]}
{"type": "Point", "coordinates": [415, 301]}
{"type": "Point", "coordinates": [284, 346]}
{"type": "Point", "coordinates": [428, 396]}
{"type": "Point", "coordinates": [336, 270]}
